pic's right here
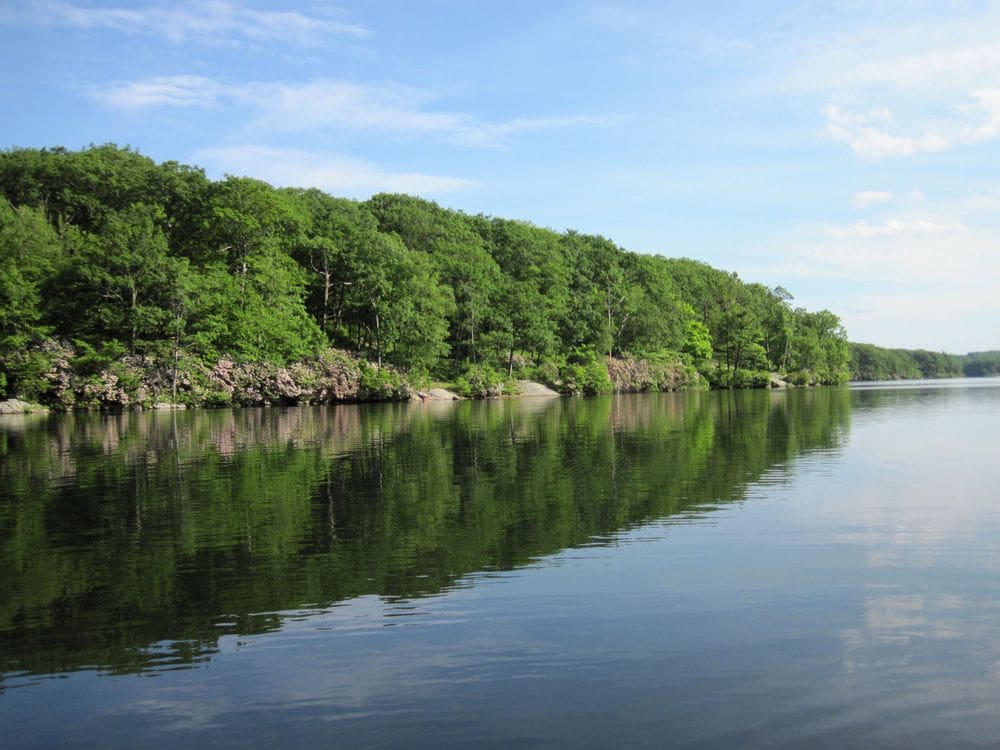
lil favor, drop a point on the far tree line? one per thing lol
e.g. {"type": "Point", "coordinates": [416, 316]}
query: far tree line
{"type": "Point", "coordinates": [870, 362]}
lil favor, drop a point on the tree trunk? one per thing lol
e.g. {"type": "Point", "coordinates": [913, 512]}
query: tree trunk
{"type": "Point", "coordinates": [135, 323]}
{"type": "Point", "coordinates": [177, 354]}
{"type": "Point", "coordinates": [327, 285]}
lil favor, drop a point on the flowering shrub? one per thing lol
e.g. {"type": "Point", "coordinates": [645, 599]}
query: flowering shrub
{"type": "Point", "coordinates": [661, 373]}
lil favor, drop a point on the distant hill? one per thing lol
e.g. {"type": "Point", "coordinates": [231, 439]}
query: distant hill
{"type": "Point", "coordinates": [871, 362]}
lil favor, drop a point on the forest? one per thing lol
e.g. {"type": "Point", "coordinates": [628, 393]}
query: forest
{"type": "Point", "coordinates": [124, 282]}
{"type": "Point", "coordinates": [870, 362]}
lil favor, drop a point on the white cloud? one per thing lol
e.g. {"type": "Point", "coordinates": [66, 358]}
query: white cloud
{"type": "Point", "coordinates": [333, 173]}
{"type": "Point", "coordinates": [919, 61]}
{"type": "Point", "coordinates": [323, 103]}
{"type": "Point", "coordinates": [953, 243]}
{"type": "Point", "coordinates": [869, 198]}
{"type": "Point", "coordinates": [390, 108]}
{"type": "Point", "coordinates": [497, 133]}
{"type": "Point", "coordinates": [900, 83]}
{"type": "Point", "coordinates": [868, 133]}
{"type": "Point", "coordinates": [213, 20]}
{"type": "Point", "coordinates": [320, 103]}
{"type": "Point", "coordinates": [163, 91]}
{"type": "Point", "coordinates": [896, 228]}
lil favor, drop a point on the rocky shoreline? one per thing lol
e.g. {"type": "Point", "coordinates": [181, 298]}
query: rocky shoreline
{"type": "Point", "coordinates": [16, 406]}
{"type": "Point", "coordinates": [522, 388]}
{"type": "Point", "coordinates": [69, 382]}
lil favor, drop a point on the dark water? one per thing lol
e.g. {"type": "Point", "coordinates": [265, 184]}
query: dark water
{"type": "Point", "coordinates": [813, 568]}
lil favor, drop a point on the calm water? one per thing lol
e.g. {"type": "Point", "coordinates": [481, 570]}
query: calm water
{"type": "Point", "coordinates": [813, 568]}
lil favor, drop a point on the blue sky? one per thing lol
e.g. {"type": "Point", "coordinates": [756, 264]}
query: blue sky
{"type": "Point", "coordinates": [847, 151]}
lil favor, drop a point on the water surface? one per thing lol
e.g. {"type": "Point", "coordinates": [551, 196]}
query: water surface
{"type": "Point", "coordinates": [804, 568]}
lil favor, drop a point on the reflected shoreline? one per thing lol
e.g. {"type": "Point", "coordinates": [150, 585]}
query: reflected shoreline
{"type": "Point", "coordinates": [131, 530]}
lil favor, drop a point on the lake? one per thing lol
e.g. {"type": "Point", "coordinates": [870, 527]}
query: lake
{"type": "Point", "coordinates": [801, 568]}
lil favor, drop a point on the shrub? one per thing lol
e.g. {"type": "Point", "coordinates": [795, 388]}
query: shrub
{"type": "Point", "coordinates": [382, 384]}
{"type": "Point", "coordinates": [801, 377]}
{"type": "Point", "coordinates": [480, 381]}
{"type": "Point", "coordinates": [744, 379]}
{"type": "Point", "coordinates": [590, 378]}
{"type": "Point", "coordinates": [661, 371]}
{"type": "Point", "coordinates": [41, 373]}
{"type": "Point", "coordinates": [545, 372]}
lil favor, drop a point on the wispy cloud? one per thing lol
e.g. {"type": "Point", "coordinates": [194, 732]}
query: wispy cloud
{"type": "Point", "coordinates": [901, 82]}
{"type": "Point", "coordinates": [391, 108]}
{"type": "Point", "coordinates": [923, 61]}
{"type": "Point", "coordinates": [869, 134]}
{"type": "Point", "coordinates": [496, 133]}
{"type": "Point", "coordinates": [301, 106]}
{"type": "Point", "coordinates": [196, 20]}
{"type": "Point", "coordinates": [869, 198]}
{"type": "Point", "coordinates": [895, 228]}
{"type": "Point", "coordinates": [906, 251]}
{"type": "Point", "coordinates": [902, 285]}
{"type": "Point", "coordinates": [162, 91]}
{"type": "Point", "coordinates": [322, 103]}
{"type": "Point", "coordinates": [333, 173]}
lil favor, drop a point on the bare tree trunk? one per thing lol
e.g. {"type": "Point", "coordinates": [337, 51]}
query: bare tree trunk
{"type": "Point", "coordinates": [327, 285]}
{"type": "Point", "coordinates": [135, 323]}
{"type": "Point", "coordinates": [177, 354]}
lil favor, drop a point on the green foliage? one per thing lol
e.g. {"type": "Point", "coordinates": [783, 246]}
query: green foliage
{"type": "Point", "coordinates": [107, 248]}
{"type": "Point", "coordinates": [819, 347]}
{"type": "Point", "coordinates": [697, 341]}
{"type": "Point", "coordinates": [546, 372]}
{"type": "Point", "coordinates": [742, 378]}
{"type": "Point", "coordinates": [382, 384]}
{"type": "Point", "coordinates": [24, 374]}
{"type": "Point", "coordinates": [29, 253]}
{"type": "Point", "coordinates": [588, 376]}
{"type": "Point", "coordinates": [982, 364]}
{"type": "Point", "coordinates": [91, 360]}
{"type": "Point", "coordinates": [870, 362]}
{"type": "Point", "coordinates": [481, 381]}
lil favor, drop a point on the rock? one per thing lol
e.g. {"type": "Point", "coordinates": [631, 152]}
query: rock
{"type": "Point", "coordinates": [16, 406]}
{"type": "Point", "coordinates": [777, 382]}
{"type": "Point", "coordinates": [441, 394]}
{"type": "Point", "coordinates": [163, 405]}
{"type": "Point", "coordinates": [531, 388]}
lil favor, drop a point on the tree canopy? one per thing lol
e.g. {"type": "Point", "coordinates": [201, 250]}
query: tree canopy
{"type": "Point", "coordinates": [114, 255]}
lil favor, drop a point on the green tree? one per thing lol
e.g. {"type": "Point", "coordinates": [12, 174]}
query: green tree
{"type": "Point", "coordinates": [460, 257]}
{"type": "Point", "coordinates": [398, 305]}
{"type": "Point", "coordinates": [337, 231]}
{"type": "Point", "coordinates": [533, 291]}
{"type": "Point", "coordinates": [819, 347]}
{"type": "Point", "coordinates": [657, 320]}
{"type": "Point", "coordinates": [29, 253]}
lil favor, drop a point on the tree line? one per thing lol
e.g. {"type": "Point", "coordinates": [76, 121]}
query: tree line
{"type": "Point", "coordinates": [107, 256]}
{"type": "Point", "coordinates": [870, 362]}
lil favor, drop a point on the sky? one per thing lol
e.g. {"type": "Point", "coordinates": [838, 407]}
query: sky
{"type": "Point", "coordinates": [849, 152]}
